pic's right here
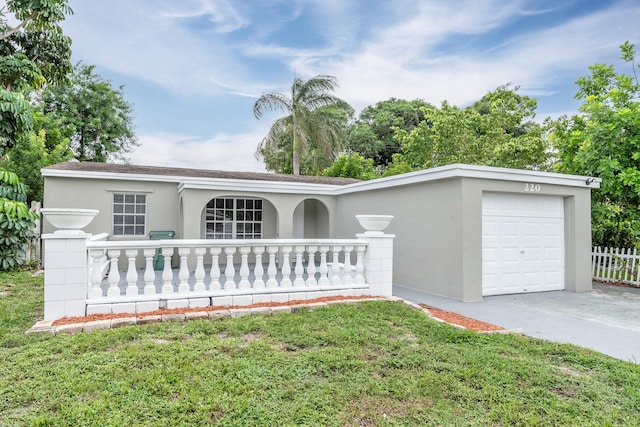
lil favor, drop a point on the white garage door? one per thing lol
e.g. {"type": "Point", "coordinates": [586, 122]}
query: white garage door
{"type": "Point", "coordinates": [522, 243]}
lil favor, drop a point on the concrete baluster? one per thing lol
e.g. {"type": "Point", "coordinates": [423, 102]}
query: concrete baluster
{"type": "Point", "coordinates": [258, 270]}
{"type": "Point", "coordinates": [347, 280]}
{"type": "Point", "coordinates": [183, 272]}
{"type": "Point", "coordinates": [149, 272]}
{"type": "Point", "coordinates": [286, 268]}
{"type": "Point", "coordinates": [335, 266]}
{"type": "Point", "coordinates": [230, 270]}
{"type": "Point", "coordinates": [311, 266]}
{"type": "Point", "coordinates": [299, 270]}
{"type": "Point", "coordinates": [272, 270]}
{"type": "Point", "coordinates": [114, 274]}
{"type": "Point", "coordinates": [97, 255]}
{"type": "Point", "coordinates": [215, 269]}
{"type": "Point", "coordinates": [132, 274]}
{"type": "Point", "coordinates": [199, 273]}
{"type": "Point", "coordinates": [324, 269]}
{"type": "Point", "coordinates": [167, 273]}
{"type": "Point", "coordinates": [244, 268]}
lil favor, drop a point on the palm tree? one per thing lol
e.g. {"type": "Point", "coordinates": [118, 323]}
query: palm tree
{"type": "Point", "coordinates": [309, 121]}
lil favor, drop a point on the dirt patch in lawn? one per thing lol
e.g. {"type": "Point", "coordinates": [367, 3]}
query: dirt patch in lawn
{"type": "Point", "coordinates": [92, 317]}
{"type": "Point", "coordinates": [460, 320]}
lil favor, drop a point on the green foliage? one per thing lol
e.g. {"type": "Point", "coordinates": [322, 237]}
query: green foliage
{"type": "Point", "coordinates": [373, 134]}
{"type": "Point", "coordinates": [16, 221]}
{"type": "Point", "coordinates": [15, 118]}
{"type": "Point", "coordinates": [46, 144]}
{"type": "Point", "coordinates": [101, 118]}
{"type": "Point", "coordinates": [496, 131]}
{"type": "Point", "coordinates": [351, 165]}
{"type": "Point", "coordinates": [315, 123]}
{"type": "Point", "coordinates": [603, 140]}
{"type": "Point", "coordinates": [31, 53]}
{"type": "Point", "coordinates": [397, 166]}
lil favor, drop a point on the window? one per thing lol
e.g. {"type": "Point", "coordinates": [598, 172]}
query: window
{"type": "Point", "coordinates": [129, 214]}
{"type": "Point", "coordinates": [230, 218]}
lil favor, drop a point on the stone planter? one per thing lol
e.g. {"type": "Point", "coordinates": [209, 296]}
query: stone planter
{"type": "Point", "coordinates": [374, 224]}
{"type": "Point", "coordinates": [69, 221]}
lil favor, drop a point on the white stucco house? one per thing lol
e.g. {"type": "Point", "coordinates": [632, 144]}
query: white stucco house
{"type": "Point", "coordinates": [461, 231]}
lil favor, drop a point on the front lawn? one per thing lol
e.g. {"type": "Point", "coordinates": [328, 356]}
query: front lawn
{"type": "Point", "coordinates": [365, 364]}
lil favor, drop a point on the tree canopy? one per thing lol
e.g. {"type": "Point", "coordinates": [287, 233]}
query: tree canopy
{"type": "Point", "coordinates": [603, 140]}
{"type": "Point", "coordinates": [351, 165]}
{"type": "Point", "coordinates": [32, 53]}
{"type": "Point", "coordinates": [498, 130]}
{"type": "Point", "coordinates": [312, 127]}
{"type": "Point", "coordinates": [373, 134]}
{"type": "Point", "coordinates": [101, 119]}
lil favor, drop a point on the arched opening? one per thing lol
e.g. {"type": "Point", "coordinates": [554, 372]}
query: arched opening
{"type": "Point", "coordinates": [311, 220]}
{"type": "Point", "coordinates": [239, 217]}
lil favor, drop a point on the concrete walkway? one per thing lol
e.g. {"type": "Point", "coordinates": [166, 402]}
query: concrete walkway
{"type": "Point", "coordinates": [606, 320]}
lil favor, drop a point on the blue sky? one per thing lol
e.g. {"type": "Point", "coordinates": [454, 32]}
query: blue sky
{"type": "Point", "coordinates": [193, 68]}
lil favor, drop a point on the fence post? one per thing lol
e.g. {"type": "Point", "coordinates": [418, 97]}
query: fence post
{"type": "Point", "coordinates": [378, 262]}
{"type": "Point", "coordinates": [65, 274]}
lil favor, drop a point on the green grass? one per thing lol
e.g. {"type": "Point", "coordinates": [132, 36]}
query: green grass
{"type": "Point", "coordinates": [371, 363]}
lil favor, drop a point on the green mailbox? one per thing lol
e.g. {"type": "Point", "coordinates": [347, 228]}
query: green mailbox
{"type": "Point", "coordinates": [158, 259]}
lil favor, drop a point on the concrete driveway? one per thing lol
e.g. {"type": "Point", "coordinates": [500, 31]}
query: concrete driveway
{"type": "Point", "coordinates": [606, 320]}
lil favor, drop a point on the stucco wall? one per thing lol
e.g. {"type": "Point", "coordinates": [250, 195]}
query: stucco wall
{"type": "Point", "coordinates": [162, 203]}
{"type": "Point", "coordinates": [428, 231]}
{"type": "Point", "coordinates": [438, 228]}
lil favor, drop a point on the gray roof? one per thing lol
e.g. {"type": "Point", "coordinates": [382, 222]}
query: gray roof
{"type": "Point", "coordinates": [196, 173]}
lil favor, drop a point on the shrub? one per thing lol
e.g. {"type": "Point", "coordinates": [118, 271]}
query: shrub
{"type": "Point", "coordinates": [16, 221]}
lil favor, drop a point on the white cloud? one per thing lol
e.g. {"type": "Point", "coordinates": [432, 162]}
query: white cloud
{"type": "Point", "coordinates": [416, 51]}
{"type": "Point", "coordinates": [221, 152]}
{"type": "Point", "coordinates": [409, 61]}
{"type": "Point", "coordinates": [220, 13]}
{"type": "Point", "coordinates": [149, 40]}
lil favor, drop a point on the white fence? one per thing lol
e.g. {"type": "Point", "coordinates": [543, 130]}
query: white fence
{"type": "Point", "coordinates": [89, 275]}
{"type": "Point", "coordinates": [616, 265]}
{"type": "Point", "coordinates": [218, 269]}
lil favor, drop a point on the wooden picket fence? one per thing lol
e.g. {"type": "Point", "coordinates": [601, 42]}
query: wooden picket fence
{"type": "Point", "coordinates": [616, 265]}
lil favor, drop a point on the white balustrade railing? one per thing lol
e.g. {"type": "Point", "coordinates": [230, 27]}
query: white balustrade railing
{"type": "Point", "coordinates": [207, 268]}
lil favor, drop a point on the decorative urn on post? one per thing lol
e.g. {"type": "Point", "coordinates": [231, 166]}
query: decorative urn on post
{"type": "Point", "coordinates": [68, 220]}
{"type": "Point", "coordinates": [374, 224]}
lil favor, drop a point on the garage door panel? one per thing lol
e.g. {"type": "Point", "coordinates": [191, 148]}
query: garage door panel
{"type": "Point", "coordinates": [531, 229]}
{"type": "Point", "coordinates": [522, 243]}
{"type": "Point", "coordinates": [552, 254]}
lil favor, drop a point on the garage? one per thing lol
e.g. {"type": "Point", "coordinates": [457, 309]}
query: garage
{"type": "Point", "coordinates": [522, 243]}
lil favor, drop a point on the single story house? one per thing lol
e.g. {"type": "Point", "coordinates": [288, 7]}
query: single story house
{"type": "Point", "coordinates": [461, 231]}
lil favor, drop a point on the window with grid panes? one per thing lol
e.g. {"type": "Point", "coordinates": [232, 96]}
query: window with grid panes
{"type": "Point", "coordinates": [129, 214]}
{"type": "Point", "coordinates": [233, 218]}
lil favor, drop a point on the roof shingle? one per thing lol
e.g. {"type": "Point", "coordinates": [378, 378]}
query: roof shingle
{"type": "Point", "coordinates": [196, 173]}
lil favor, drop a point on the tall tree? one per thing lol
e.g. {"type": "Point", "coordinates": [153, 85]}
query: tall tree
{"type": "Point", "coordinates": [312, 120]}
{"type": "Point", "coordinates": [102, 119]}
{"type": "Point", "coordinates": [373, 134]}
{"type": "Point", "coordinates": [496, 131]}
{"type": "Point", "coordinates": [31, 53]}
{"type": "Point", "coordinates": [603, 140]}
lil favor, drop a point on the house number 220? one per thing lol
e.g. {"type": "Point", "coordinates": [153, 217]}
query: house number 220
{"type": "Point", "coordinates": [532, 188]}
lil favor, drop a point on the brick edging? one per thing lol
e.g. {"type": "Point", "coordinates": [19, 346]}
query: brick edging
{"type": "Point", "coordinates": [46, 326]}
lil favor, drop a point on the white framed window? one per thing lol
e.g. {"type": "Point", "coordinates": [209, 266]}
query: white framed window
{"type": "Point", "coordinates": [233, 218]}
{"type": "Point", "coordinates": [129, 214]}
